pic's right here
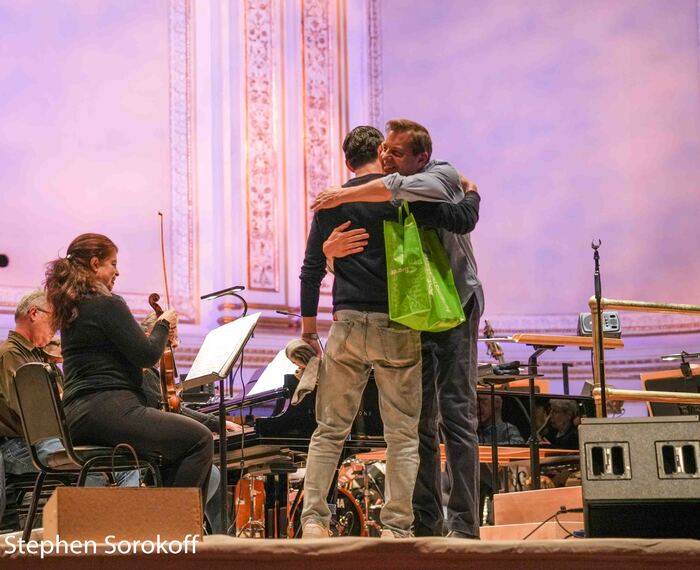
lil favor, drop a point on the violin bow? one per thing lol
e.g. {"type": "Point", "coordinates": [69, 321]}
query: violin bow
{"type": "Point", "coordinates": [162, 255]}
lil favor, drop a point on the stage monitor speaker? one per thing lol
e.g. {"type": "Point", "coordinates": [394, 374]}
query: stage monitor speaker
{"type": "Point", "coordinates": [611, 324]}
{"type": "Point", "coordinates": [641, 477]}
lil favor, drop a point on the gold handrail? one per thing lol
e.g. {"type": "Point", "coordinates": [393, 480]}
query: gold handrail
{"type": "Point", "coordinates": [599, 358]}
{"type": "Point", "coordinates": [647, 396]}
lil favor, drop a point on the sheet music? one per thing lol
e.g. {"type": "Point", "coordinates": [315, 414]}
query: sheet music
{"type": "Point", "coordinates": [273, 375]}
{"type": "Point", "coordinates": [220, 348]}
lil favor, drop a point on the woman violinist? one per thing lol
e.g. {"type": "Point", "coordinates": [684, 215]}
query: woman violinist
{"type": "Point", "coordinates": [105, 351]}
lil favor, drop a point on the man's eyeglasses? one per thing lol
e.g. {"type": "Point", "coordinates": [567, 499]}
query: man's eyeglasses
{"type": "Point", "coordinates": [42, 310]}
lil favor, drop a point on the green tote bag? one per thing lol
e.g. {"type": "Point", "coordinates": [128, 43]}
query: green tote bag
{"type": "Point", "coordinates": [422, 292]}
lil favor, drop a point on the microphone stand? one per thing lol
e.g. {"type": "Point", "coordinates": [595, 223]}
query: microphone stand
{"type": "Point", "coordinates": [223, 439]}
{"type": "Point", "coordinates": [599, 327]}
{"type": "Point", "coordinates": [223, 447]}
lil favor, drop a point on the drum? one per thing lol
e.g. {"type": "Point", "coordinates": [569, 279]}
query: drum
{"type": "Point", "coordinates": [376, 473]}
{"type": "Point", "coordinates": [349, 471]}
{"type": "Point", "coordinates": [368, 490]}
{"type": "Point", "coordinates": [347, 521]}
{"type": "Point", "coordinates": [362, 479]}
{"type": "Point", "coordinates": [249, 507]}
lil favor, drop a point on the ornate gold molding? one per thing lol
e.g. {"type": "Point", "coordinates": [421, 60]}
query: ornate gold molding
{"type": "Point", "coordinates": [316, 61]}
{"type": "Point", "coordinates": [262, 175]}
{"type": "Point", "coordinates": [182, 215]}
{"type": "Point", "coordinates": [374, 62]}
{"type": "Point", "coordinates": [182, 230]}
{"type": "Point", "coordinates": [324, 62]}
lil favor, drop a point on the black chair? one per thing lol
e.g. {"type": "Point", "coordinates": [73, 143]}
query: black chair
{"type": "Point", "coordinates": [18, 494]}
{"type": "Point", "coordinates": [42, 417]}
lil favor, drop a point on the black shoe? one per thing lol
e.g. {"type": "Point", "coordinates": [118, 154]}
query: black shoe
{"type": "Point", "coordinates": [425, 531]}
{"type": "Point", "coordinates": [460, 534]}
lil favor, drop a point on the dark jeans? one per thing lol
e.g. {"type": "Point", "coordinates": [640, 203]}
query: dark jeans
{"type": "Point", "coordinates": [450, 407]}
{"type": "Point", "coordinates": [120, 416]}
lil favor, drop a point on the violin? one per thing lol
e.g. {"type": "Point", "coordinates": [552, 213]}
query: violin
{"type": "Point", "coordinates": [168, 369]}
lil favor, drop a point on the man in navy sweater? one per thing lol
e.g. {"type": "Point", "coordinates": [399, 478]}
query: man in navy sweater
{"type": "Point", "coordinates": [361, 338]}
{"type": "Point", "coordinates": [449, 358]}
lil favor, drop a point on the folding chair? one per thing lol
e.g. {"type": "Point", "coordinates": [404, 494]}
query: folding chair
{"type": "Point", "coordinates": [42, 417]}
{"type": "Point", "coordinates": [18, 493]}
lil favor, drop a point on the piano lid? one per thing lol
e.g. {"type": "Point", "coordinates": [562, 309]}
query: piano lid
{"type": "Point", "coordinates": [272, 377]}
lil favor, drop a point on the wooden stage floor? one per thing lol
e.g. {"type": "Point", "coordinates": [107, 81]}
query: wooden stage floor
{"type": "Point", "coordinates": [408, 554]}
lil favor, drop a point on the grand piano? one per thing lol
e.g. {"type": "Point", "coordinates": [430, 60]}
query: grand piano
{"type": "Point", "coordinates": [276, 440]}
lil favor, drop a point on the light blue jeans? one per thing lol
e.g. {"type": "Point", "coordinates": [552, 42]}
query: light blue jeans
{"type": "Point", "coordinates": [357, 342]}
{"type": "Point", "coordinates": [18, 460]}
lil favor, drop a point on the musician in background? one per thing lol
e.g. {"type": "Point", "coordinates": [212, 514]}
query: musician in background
{"type": "Point", "coordinates": [33, 331]}
{"type": "Point", "coordinates": [561, 431]}
{"type": "Point", "coordinates": [506, 433]}
{"type": "Point", "coordinates": [105, 351]}
{"type": "Point", "coordinates": [31, 341]}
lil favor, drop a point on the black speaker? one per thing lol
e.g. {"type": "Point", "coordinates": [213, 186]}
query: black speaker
{"type": "Point", "coordinates": [641, 477]}
{"type": "Point", "coordinates": [642, 519]}
{"type": "Point", "coordinates": [680, 385]}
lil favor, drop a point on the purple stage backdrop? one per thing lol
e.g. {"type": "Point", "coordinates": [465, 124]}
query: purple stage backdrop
{"type": "Point", "coordinates": [578, 120]}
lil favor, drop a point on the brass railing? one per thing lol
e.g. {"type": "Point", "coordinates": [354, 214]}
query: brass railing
{"type": "Point", "coordinates": [599, 357]}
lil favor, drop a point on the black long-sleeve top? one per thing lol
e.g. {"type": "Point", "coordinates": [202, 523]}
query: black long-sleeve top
{"type": "Point", "coordinates": [360, 279]}
{"type": "Point", "coordinates": [106, 349]}
{"type": "Point", "coordinates": [459, 218]}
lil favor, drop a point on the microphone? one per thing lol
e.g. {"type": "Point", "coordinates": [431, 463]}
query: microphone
{"type": "Point", "coordinates": [216, 294]}
{"type": "Point", "coordinates": [507, 368]}
{"type": "Point", "coordinates": [4, 260]}
{"type": "Point", "coordinates": [288, 314]}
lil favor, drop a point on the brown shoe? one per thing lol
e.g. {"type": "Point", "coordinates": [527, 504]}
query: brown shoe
{"type": "Point", "coordinates": [314, 530]}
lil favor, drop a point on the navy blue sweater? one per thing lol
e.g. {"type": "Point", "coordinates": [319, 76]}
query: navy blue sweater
{"type": "Point", "coordinates": [360, 279]}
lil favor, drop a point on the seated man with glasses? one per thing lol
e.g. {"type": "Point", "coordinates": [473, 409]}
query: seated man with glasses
{"type": "Point", "coordinates": [32, 333]}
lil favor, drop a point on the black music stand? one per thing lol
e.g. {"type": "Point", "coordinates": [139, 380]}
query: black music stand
{"type": "Point", "coordinates": [210, 371]}
{"type": "Point", "coordinates": [541, 343]}
{"type": "Point", "coordinates": [493, 380]}
{"type": "Point", "coordinates": [539, 346]}
{"type": "Point", "coordinates": [533, 442]}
